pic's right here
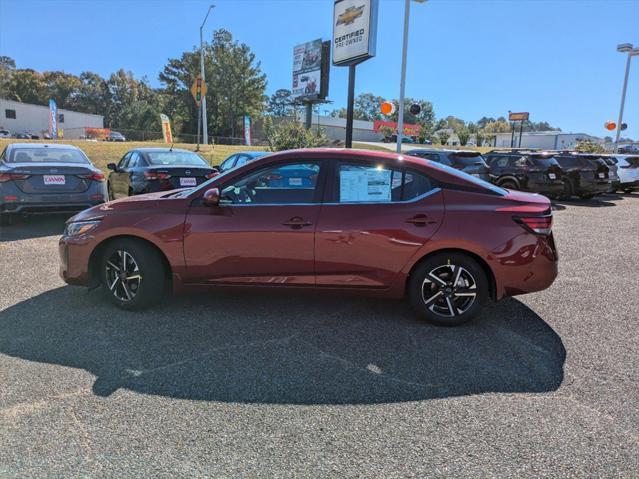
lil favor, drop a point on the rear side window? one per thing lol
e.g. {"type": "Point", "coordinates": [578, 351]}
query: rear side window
{"type": "Point", "coordinates": [45, 155]}
{"type": "Point", "coordinates": [360, 183]}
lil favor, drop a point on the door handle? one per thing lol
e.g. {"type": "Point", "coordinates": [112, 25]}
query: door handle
{"type": "Point", "coordinates": [297, 223]}
{"type": "Point", "coordinates": [419, 220]}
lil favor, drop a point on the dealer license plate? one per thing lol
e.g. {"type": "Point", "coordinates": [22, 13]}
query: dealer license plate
{"type": "Point", "coordinates": [602, 175]}
{"type": "Point", "coordinates": [54, 180]}
{"type": "Point", "coordinates": [188, 182]}
{"type": "Point", "coordinates": [552, 176]}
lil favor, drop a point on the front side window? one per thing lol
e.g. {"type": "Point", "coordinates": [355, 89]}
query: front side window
{"type": "Point", "coordinates": [133, 161]}
{"type": "Point", "coordinates": [278, 184]}
{"type": "Point", "coordinates": [124, 161]}
{"type": "Point", "coordinates": [359, 183]}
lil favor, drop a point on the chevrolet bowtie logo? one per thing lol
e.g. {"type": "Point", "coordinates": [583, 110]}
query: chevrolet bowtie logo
{"type": "Point", "coordinates": [350, 15]}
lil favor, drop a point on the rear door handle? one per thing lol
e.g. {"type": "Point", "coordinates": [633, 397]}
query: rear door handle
{"type": "Point", "coordinates": [297, 223]}
{"type": "Point", "coordinates": [419, 220]}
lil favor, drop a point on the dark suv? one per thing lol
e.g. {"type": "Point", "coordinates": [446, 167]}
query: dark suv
{"type": "Point", "coordinates": [587, 174]}
{"type": "Point", "coordinates": [470, 162]}
{"type": "Point", "coordinates": [526, 170]}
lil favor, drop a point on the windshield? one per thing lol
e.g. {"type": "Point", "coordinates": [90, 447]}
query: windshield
{"type": "Point", "coordinates": [175, 158]}
{"type": "Point", "coordinates": [46, 155]}
{"type": "Point", "coordinates": [470, 178]}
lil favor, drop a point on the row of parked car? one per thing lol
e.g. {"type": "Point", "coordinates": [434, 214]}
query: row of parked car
{"type": "Point", "coordinates": [556, 174]}
{"type": "Point", "coordinates": [36, 178]}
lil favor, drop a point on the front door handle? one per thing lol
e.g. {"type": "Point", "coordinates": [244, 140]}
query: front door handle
{"type": "Point", "coordinates": [419, 220]}
{"type": "Point", "coordinates": [297, 223]}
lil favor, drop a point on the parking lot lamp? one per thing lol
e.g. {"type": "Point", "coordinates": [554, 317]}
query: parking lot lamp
{"type": "Point", "coordinates": [402, 81]}
{"type": "Point", "coordinates": [624, 48]}
{"type": "Point", "coordinates": [205, 133]}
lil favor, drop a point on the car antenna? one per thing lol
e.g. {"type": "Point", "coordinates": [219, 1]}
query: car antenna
{"type": "Point", "coordinates": [171, 149]}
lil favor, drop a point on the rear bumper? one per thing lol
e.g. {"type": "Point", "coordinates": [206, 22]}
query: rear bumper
{"type": "Point", "coordinates": [23, 207]}
{"type": "Point", "coordinates": [593, 187]}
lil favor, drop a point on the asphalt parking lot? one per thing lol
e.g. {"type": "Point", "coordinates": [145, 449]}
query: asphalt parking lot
{"type": "Point", "coordinates": [282, 385]}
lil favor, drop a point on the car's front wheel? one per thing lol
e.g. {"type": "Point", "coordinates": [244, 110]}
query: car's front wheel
{"type": "Point", "coordinates": [448, 289]}
{"type": "Point", "coordinates": [133, 274]}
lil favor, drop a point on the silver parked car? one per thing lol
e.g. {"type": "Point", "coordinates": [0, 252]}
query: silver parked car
{"type": "Point", "coordinates": [47, 178]}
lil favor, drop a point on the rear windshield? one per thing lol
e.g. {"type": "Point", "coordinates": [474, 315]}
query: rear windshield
{"type": "Point", "coordinates": [470, 178]}
{"type": "Point", "coordinates": [46, 155]}
{"type": "Point", "coordinates": [175, 158]}
{"type": "Point", "coordinates": [633, 160]}
{"type": "Point", "coordinates": [466, 159]}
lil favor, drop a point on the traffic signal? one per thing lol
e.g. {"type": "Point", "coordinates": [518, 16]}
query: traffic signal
{"type": "Point", "coordinates": [198, 89]}
{"type": "Point", "coordinates": [610, 125]}
{"type": "Point", "coordinates": [387, 108]}
{"type": "Point", "coordinates": [415, 109]}
{"type": "Point", "coordinates": [623, 126]}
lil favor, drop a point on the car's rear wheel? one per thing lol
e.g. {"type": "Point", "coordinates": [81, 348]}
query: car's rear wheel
{"type": "Point", "coordinates": [448, 289]}
{"type": "Point", "coordinates": [132, 274]}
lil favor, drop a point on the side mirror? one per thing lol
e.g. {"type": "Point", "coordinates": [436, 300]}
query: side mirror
{"type": "Point", "coordinates": [211, 197]}
{"type": "Point", "coordinates": [112, 166]}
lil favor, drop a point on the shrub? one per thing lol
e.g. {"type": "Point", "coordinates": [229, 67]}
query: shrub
{"type": "Point", "coordinates": [292, 135]}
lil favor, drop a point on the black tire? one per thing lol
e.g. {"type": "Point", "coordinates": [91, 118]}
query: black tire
{"type": "Point", "coordinates": [431, 299]}
{"type": "Point", "coordinates": [141, 260]}
{"type": "Point", "coordinates": [509, 184]}
{"type": "Point", "coordinates": [569, 190]}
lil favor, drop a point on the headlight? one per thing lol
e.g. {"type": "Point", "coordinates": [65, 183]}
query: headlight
{"type": "Point", "coordinates": [80, 227]}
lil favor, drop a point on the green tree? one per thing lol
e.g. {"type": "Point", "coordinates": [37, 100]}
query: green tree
{"type": "Point", "coordinates": [7, 68]}
{"type": "Point", "coordinates": [236, 85]}
{"type": "Point", "coordinates": [425, 133]}
{"type": "Point", "coordinates": [443, 137]}
{"type": "Point", "coordinates": [463, 133]}
{"type": "Point", "coordinates": [62, 87]}
{"type": "Point", "coordinates": [28, 86]}
{"type": "Point", "coordinates": [479, 137]}
{"type": "Point", "coordinates": [280, 103]}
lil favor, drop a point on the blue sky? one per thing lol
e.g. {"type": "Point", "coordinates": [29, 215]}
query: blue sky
{"type": "Point", "coordinates": [556, 59]}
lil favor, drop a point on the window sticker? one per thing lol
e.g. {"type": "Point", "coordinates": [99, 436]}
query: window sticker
{"type": "Point", "coordinates": [365, 185]}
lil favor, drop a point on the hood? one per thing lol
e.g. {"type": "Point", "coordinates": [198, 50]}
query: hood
{"type": "Point", "coordinates": [138, 203]}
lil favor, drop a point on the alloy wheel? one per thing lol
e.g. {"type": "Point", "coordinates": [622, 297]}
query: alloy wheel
{"type": "Point", "coordinates": [123, 275]}
{"type": "Point", "coordinates": [449, 290]}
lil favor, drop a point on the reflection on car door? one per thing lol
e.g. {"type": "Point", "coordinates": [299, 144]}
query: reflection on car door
{"type": "Point", "coordinates": [263, 231]}
{"type": "Point", "coordinates": [374, 223]}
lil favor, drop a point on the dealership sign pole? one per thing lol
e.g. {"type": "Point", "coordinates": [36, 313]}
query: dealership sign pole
{"type": "Point", "coordinates": [354, 41]}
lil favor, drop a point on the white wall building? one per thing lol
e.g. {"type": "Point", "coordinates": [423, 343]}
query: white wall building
{"type": "Point", "coordinates": [548, 140]}
{"type": "Point", "coordinates": [17, 117]}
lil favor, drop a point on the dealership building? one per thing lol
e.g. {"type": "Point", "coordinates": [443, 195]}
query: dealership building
{"type": "Point", "coordinates": [548, 140]}
{"type": "Point", "coordinates": [17, 117]}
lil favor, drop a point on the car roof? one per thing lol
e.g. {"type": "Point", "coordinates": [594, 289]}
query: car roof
{"type": "Point", "coordinates": [52, 146]}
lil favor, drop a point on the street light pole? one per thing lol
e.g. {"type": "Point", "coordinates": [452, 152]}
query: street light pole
{"type": "Point", "coordinates": [402, 81]}
{"type": "Point", "coordinates": [624, 48]}
{"type": "Point", "coordinates": [205, 133]}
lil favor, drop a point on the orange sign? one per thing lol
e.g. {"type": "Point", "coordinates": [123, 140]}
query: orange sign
{"type": "Point", "coordinates": [522, 116]}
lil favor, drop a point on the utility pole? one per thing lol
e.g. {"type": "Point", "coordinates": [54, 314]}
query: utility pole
{"type": "Point", "coordinates": [205, 133]}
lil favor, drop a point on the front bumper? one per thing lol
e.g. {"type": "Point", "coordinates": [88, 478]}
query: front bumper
{"type": "Point", "coordinates": [23, 207]}
{"type": "Point", "coordinates": [74, 259]}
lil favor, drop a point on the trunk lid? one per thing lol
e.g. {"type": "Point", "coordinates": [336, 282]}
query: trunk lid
{"type": "Point", "coordinates": [181, 176]}
{"type": "Point", "coordinates": [52, 177]}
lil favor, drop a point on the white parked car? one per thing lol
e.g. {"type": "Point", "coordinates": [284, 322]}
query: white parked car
{"type": "Point", "coordinates": [5, 134]}
{"type": "Point", "coordinates": [628, 171]}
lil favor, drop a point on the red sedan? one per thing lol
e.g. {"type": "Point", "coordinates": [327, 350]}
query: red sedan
{"type": "Point", "coordinates": [373, 222]}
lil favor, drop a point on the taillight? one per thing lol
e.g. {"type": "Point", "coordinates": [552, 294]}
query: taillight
{"type": "Point", "coordinates": [4, 177]}
{"type": "Point", "coordinates": [152, 175]}
{"type": "Point", "coordinates": [94, 177]}
{"type": "Point", "coordinates": [540, 225]}
{"type": "Point", "coordinates": [212, 174]}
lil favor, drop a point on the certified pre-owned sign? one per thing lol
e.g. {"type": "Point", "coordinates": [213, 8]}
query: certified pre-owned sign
{"type": "Point", "coordinates": [354, 30]}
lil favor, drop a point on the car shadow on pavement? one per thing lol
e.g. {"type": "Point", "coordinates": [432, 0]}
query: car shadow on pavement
{"type": "Point", "coordinates": [284, 348]}
{"type": "Point", "coordinates": [33, 227]}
